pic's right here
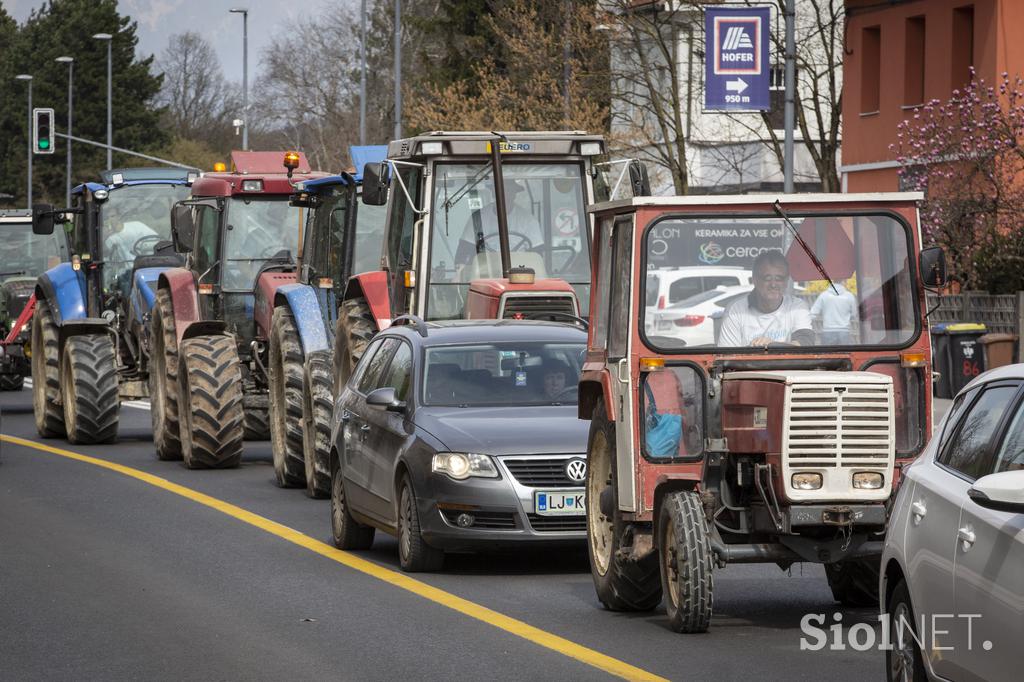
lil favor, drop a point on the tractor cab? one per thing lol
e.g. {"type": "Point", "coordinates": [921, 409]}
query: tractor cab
{"type": "Point", "coordinates": [762, 420]}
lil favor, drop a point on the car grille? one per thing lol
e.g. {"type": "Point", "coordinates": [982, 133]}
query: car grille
{"type": "Point", "coordinates": [482, 520]}
{"type": "Point", "coordinates": [558, 524]}
{"type": "Point", "coordinates": [534, 307]}
{"type": "Point", "coordinates": [540, 473]}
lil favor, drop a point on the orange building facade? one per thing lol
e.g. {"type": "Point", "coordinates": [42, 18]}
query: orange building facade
{"type": "Point", "coordinates": [900, 55]}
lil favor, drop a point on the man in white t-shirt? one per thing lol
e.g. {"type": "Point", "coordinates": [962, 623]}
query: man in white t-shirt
{"type": "Point", "coordinates": [767, 315]}
{"type": "Point", "coordinates": [837, 309]}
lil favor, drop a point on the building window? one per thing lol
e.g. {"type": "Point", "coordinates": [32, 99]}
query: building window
{"type": "Point", "coordinates": [913, 75]}
{"type": "Point", "coordinates": [963, 46]}
{"type": "Point", "coordinates": [870, 69]}
{"type": "Point", "coordinates": [777, 96]}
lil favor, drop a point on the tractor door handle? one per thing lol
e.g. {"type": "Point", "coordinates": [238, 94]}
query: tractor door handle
{"type": "Point", "coordinates": [966, 537]}
{"type": "Point", "coordinates": [364, 428]}
{"type": "Point", "coordinates": [346, 416]}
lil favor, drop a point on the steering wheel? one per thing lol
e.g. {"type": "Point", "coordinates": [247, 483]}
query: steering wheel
{"type": "Point", "coordinates": [516, 241]}
{"type": "Point", "coordinates": [570, 262]}
{"type": "Point", "coordinates": [140, 244]}
{"type": "Point", "coordinates": [567, 393]}
{"type": "Point", "coordinates": [271, 251]}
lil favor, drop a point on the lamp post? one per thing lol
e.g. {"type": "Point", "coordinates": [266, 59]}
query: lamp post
{"type": "Point", "coordinates": [398, 69]}
{"type": "Point", "coordinates": [245, 73]}
{"type": "Point", "coordinates": [28, 79]}
{"type": "Point", "coordinates": [110, 128]}
{"type": "Point", "coordinates": [362, 73]}
{"type": "Point", "coordinates": [70, 61]}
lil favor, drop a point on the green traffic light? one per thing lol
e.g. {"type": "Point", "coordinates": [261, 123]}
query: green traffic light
{"type": "Point", "coordinates": [44, 144]}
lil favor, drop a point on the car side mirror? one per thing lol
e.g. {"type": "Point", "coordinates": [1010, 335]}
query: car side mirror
{"type": "Point", "coordinates": [375, 186]}
{"type": "Point", "coordinates": [183, 228]}
{"type": "Point", "coordinates": [42, 218]}
{"type": "Point", "coordinates": [933, 266]}
{"type": "Point", "coordinates": [384, 398]}
{"type": "Point", "coordinates": [638, 179]}
{"type": "Point", "coordinates": [1002, 492]}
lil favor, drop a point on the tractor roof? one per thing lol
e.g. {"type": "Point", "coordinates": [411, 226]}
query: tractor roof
{"type": "Point", "coordinates": [117, 176]}
{"type": "Point", "coordinates": [477, 143]}
{"type": "Point", "coordinates": [254, 174]}
{"type": "Point", "coordinates": [713, 201]}
{"type": "Point", "coordinates": [360, 155]}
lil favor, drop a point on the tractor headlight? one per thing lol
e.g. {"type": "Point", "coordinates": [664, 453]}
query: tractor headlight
{"type": "Point", "coordinates": [462, 465]}
{"type": "Point", "coordinates": [806, 481]}
{"type": "Point", "coordinates": [868, 480]}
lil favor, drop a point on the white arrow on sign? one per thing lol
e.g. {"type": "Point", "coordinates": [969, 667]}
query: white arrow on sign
{"type": "Point", "coordinates": [738, 85]}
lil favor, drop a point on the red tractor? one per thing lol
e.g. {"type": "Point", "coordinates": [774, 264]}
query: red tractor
{"type": "Point", "coordinates": [762, 422]}
{"type": "Point", "coordinates": [212, 319]}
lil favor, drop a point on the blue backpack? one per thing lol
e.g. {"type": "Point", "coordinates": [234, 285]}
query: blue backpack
{"type": "Point", "coordinates": [662, 432]}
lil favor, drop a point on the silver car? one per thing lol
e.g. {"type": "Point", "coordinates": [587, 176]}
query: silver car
{"type": "Point", "coordinates": [952, 580]}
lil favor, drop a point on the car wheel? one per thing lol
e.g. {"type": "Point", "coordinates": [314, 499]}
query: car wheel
{"type": "Point", "coordinates": [414, 554]}
{"type": "Point", "coordinates": [348, 533]}
{"type": "Point", "coordinates": [903, 662]}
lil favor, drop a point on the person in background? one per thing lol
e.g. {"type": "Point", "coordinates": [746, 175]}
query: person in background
{"type": "Point", "coordinates": [836, 308]}
{"type": "Point", "coordinates": [768, 314]}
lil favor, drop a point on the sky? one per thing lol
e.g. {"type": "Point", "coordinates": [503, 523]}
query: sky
{"type": "Point", "coordinates": [159, 19]}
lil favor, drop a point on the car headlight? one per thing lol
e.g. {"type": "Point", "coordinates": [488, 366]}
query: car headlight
{"type": "Point", "coordinates": [868, 480]}
{"type": "Point", "coordinates": [462, 465]}
{"type": "Point", "coordinates": [806, 481]}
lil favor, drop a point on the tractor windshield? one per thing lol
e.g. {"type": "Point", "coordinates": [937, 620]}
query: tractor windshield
{"type": "Point", "coordinates": [133, 219]}
{"type": "Point", "coordinates": [814, 280]}
{"type": "Point", "coordinates": [546, 223]}
{"type": "Point", "coordinates": [24, 254]}
{"type": "Point", "coordinates": [258, 229]}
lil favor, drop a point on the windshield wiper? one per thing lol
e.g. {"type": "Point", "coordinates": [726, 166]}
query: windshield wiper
{"type": "Point", "coordinates": [803, 245]}
{"type": "Point", "coordinates": [465, 189]}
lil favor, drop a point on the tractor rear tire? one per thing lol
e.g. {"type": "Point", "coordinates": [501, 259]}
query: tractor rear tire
{"type": "Point", "coordinates": [855, 582]}
{"type": "Point", "coordinates": [212, 414]}
{"type": "Point", "coordinates": [687, 569]}
{"type": "Point", "coordinates": [11, 382]}
{"type": "Point", "coordinates": [89, 389]}
{"type": "Point", "coordinates": [256, 423]}
{"type": "Point", "coordinates": [356, 327]}
{"type": "Point", "coordinates": [317, 407]}
{"type": "Point", "coordinates": [46, 373]}
{"type": "Point", "coordinates": [163, 379]}
{"type": "Point", "coordinates": [286, 397]}
{"type": "Point", "coordinates": [623, 583]}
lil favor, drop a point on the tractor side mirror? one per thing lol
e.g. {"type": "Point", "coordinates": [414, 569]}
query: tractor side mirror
{"type": "Point", "coordinates": [42, 218]}
{"type": "Point", "coordinates": [375, 186]}
{"type": "Point", "coordinates": [183, 227]}
{"type": "Point", "coordinates": [933, 266]}
{"type": "Point", "coordinates": [639, 182]}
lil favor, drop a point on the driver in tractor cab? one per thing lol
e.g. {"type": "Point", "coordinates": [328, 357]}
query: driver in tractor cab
{"type": "Point", "coordinates": [768, 314]}
{"type": "Point", "coordinates": [521, 221]}
{"type": "Point", "coordinates": [122, 234]}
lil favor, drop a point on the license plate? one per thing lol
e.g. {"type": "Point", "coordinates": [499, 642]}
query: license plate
{"type": "Point", "coordinates": [559, 504]}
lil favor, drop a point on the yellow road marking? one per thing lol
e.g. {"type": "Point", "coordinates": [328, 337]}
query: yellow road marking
{"type": "Point", "coordinates": [516, 627]}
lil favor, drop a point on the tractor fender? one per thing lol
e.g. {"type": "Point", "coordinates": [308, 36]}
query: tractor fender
{"type": "Point", "coordinates": [263, 302]}
{"type": "Point", "coordinates": [184, 299]}
{"type": "Point", "coordinates": [373, 286]}
{"type": "Point", "coordinates": [63, 287]}
{"type": "Point", "coordinates": [144, 294]}
{"type": "Point", "coordinates": [595, 383]}
{"type": "Point", "coordinates": [302, 301]}
{"type": "Point", "coordinates": [82, 325]}
{"type": "Point", "coordinates": [203, 328]}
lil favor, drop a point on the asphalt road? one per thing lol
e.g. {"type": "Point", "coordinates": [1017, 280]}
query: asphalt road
{"type": "Point", "coordinates": [112, 574]}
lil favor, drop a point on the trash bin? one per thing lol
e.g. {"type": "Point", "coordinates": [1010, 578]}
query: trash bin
{"type": "Point", "coordinates": [940, 359]}
{"type": "Point", "coordinates": [966, 359]}
{"type": "Point", "coordinates": [999, 349]}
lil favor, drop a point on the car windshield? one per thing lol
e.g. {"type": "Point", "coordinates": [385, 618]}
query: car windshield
{"type": "Point", "coordinates": [546, 223]}
{"type": "Point", "coordinates": [133, 219]}
{"type": "Point", "coordinates": [259, 229]}
{"type": "Point", "coordinates": [869, 301]}
{"type": "Point", "coordinates": [503, 374]}
{"type": "Point", "coordinates": [25, 254]}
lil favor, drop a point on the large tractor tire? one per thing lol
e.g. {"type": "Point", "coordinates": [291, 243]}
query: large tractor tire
{"type": "Point", "coordinates": [356, 327]}
{"type": "Point", "coordinates": [163, 379]}
{"type": "Point", "coordinates": [88, 383]}
{"type": "Point", "coordinates": [317, 407]}
{"type": "Point", "coordinates": [286, 396]}
{"type": "Point", "coordinates": [855, 582]}
{"type": "Point", "coordinates": [623, 583]}
{"type": "Point", "coordinates": [687, 576]}
{"type": "Point", "coordinates": [11, 382]}
{"type": "Point", "coordinates": [211, 403]}
{"type": "Point", "coordinates": [46, 373]}
{"type": "Point", "coordinates": [256, 422]}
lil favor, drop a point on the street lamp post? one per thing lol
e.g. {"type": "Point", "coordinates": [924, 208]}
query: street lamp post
{"type": "Point", "coordinates": [245, 73]}
{"type": "Point", "coordinates": [110, 128]}
{"type": "Point", "coordinates": [398, 69]}
{"type": "Point", "coordinates": [70, 61]}
{"type": "Point", "coordinates": [28, 79]}
{"type": "Point", "coordinates": [362, 74]}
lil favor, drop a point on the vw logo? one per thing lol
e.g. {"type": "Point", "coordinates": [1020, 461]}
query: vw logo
{"type": "Point", "coordinates": [576, 470]}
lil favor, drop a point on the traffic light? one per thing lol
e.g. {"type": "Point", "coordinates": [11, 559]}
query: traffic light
{"type": "Point", "coordinates": [42, 131]}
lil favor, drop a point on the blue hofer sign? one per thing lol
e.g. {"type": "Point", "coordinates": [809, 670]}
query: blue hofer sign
{"type": "Point", "coordinates": [736, 60]}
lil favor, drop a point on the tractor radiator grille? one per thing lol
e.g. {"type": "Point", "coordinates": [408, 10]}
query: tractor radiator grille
{"type": "Point", "coordinates": [534, 307]}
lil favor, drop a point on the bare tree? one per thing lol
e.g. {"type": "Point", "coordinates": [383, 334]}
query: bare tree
{"type": "Point", "coordinates": [195, 95]}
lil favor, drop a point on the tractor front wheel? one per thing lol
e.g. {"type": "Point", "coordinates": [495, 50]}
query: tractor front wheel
{"type": "Point", "coordinates": [352, 335]}
{"type": "Point", "coordinates": [11, 382]}
{"type": "Point", "coordinates": [686, 563]}
{"type": "Point", "coordinates": [88, 385]}
{"type": "Point", "coordinates": [46, 372]}
{"type": "Point", "coordinates": [286, 393]}
{"type": "Point", "coordinates": [854, 582]}
{"type": "Point", "coordinates": [211, 391]}
{"type": "Point", "coordinates": [163, 379]}
{"type": "Point", "coordinates": [317, 406]}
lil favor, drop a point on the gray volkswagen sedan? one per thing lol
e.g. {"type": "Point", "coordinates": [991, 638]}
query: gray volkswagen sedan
{"type": "Point", "coordinates": [459, 436]}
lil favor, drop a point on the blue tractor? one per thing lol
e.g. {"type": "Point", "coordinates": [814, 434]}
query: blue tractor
{"type": "Point", "coordinates": [91, 323]}
{"type": "Point", "coordinates": [342, 237]}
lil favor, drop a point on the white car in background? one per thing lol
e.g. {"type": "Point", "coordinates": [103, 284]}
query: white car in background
{"type": "Point", "coordinates": [671, 286]}
{"type": "Point", "coordinates": [953, 564]}
{"type": "Point", "coordinates": [692, 321]}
